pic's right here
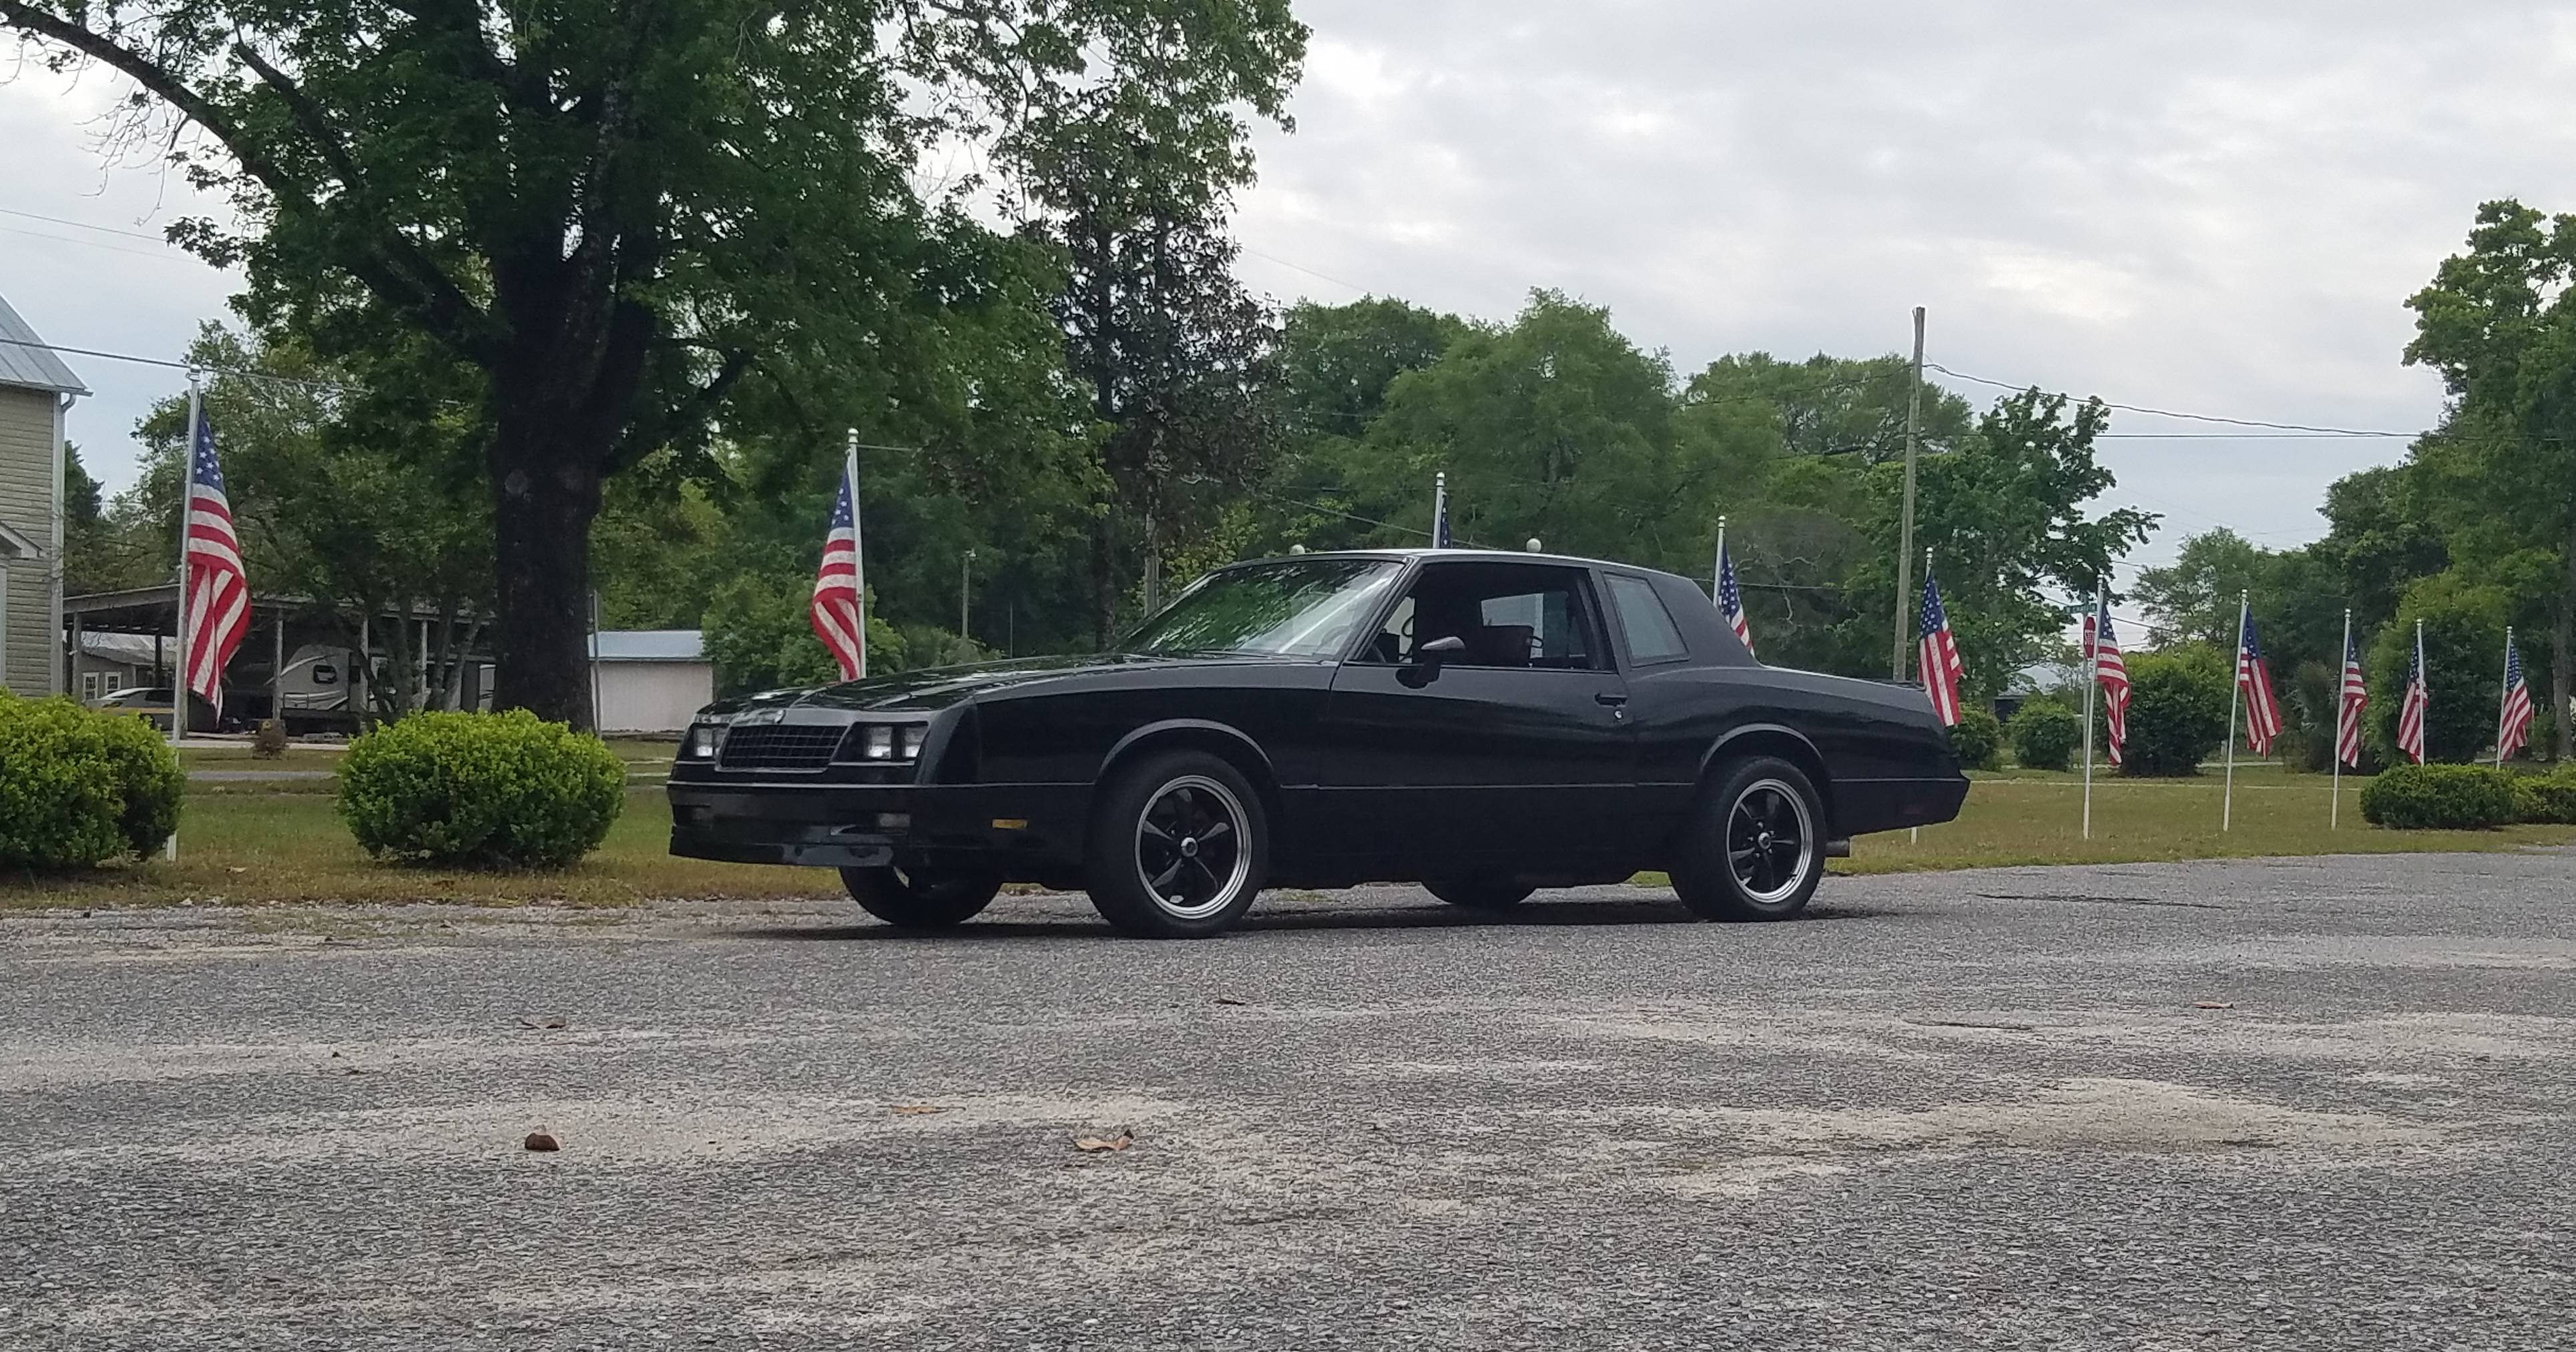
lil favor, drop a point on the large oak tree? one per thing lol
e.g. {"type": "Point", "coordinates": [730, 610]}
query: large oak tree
{"type": "Point", "coordinates": [620, 215]}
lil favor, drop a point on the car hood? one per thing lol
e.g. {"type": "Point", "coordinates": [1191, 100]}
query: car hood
{"type": "Point", "coordinates": [934, 688]}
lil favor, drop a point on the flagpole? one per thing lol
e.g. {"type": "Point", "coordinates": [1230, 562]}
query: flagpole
{"type": "Point", "coordinates": [1915, 835]}
{"type": "Point", "coordinates": [179, 666]}
{"type": "Point", "coordinates": [2235, 697]}
{"type": "Point", "coordinates": [2334, 813]}
{"type": "Point", "coordinates": [2092, 673]}
{"type": "Point", "coordinates": [2504, 691]}
{"type": "Point", "coordinates": [858, 556]}
{"type": "Point", "coordinates": [1439, 505]}
{"type": "Point", "coordinates": [1717, 568]}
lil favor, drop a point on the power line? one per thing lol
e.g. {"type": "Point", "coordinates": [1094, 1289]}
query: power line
{"type": "Point", "coordinates": [2188, 417]}
{"type": "Point", "coordinates": [191, 368]}
{"type": "Point", "coordinates": [83, 225]}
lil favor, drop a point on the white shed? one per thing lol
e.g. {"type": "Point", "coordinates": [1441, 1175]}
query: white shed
{"type": "Point", "coordinates": [650, 680]}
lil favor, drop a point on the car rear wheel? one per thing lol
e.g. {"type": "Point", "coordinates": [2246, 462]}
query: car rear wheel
{"type": "Point", "coordinates": [1178, 848]}
{"type": "Point", "coordinates": [1480, 894]}
{"type": "Point", "coordinates": [1754, 845]}
{"type": "Point", "coordinates": [921, 898]}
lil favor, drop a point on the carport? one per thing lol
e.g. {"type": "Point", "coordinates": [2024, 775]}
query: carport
{"type": "Point", "coordinates": [281, 626]}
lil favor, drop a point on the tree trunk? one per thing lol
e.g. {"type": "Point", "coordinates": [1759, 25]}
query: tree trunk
{"type": "Point", "coordinates": [1104, 581]}
{"type": "Point", "coordinates": [544, 495]}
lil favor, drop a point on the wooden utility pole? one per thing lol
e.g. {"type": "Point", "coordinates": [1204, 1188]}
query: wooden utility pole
{"type": "Point", "coordinates": [1905, 533]}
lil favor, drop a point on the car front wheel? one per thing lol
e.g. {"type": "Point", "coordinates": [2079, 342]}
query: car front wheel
{"type": "Point", "coordinates": [921, 898]}
{"type": "Point", "coordinates": [1754, 845]}
{"type": "Point", "coordinates": [1178, 848]}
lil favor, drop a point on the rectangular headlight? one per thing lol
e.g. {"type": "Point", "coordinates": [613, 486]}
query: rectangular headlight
{"type": "Point", "coordinates": [877, 741]}
{"type": "Point", "coordinates": [706, 741]}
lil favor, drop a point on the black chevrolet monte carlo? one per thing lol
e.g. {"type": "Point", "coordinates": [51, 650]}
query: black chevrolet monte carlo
{"type": "Point", "coordinates": [1485, 724]}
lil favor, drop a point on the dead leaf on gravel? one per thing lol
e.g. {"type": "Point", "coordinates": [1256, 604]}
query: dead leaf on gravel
{"type": "Point", "coordinates": [555, 1022]}
{"type": "Point", "coordinates": [917, 1109]}
{"type": "Point", "coordinates": [2213, 1004]}
{"type": "Point", "coordinates": [1230, 1000]}
{"type": "Point", "coordinates": [1092, 1145]}
{"type": "Point", "coordinates": [541, 1140]}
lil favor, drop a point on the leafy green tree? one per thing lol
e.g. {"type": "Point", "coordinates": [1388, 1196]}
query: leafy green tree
{"type": "Point", "coordinates": [630, 223]}
{"type": "Point", "coordinates": [2463, 662]}
{"type": "Point", "coordinates": [2005, 517]}
{"type": "Point", "coordinates": [2194, 599]}
{"type": "Point", "coordinates": [1827, 405]}
{"type": "Point", "coordinates": [2177, 711]}
{"type": "Point", "coordinates": [1131, 183]}
{"type": "Point", "coordinates": [2499, 323]}
{"type": "Point", "coordinates": [760, 636]}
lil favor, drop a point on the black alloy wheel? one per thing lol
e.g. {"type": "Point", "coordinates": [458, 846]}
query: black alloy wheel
{"type": "Point", "coordinates": [1479, 893]}
{"type": "Point", "coordinates": [1178, 848]}
{"type": "Point", "coordinates": [1754, 845]}
{"type": "Point", "coordinates": [921, 898]}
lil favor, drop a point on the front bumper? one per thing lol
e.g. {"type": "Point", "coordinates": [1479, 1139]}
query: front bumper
{"type": "Point", "coordinates": [1031, 829]}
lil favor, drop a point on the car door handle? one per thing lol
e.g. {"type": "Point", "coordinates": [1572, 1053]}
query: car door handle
{"type": "Point", "coordinates": [1611, 698]}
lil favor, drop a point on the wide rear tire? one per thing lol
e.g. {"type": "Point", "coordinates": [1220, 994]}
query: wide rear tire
{"type": "Point", "coordinates": [1753, 847]}
{"type": "Point", "coordinates": [1480, 894]}
{"type": "Point", "coordinates": [1179, 847]}
{"type": "Point", "coordinates": [921, 898]}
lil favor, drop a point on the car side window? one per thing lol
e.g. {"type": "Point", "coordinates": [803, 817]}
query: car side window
{"type": "Point", "coordinates": [1507, 614]}
{"type": "Point", "coordinates": [1644, 621]}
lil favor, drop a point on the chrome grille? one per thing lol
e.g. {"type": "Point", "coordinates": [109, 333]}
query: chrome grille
{"type": "Point", "coordinates": [780, 746]}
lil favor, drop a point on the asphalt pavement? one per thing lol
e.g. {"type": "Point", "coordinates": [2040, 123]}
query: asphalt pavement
{"type": "Point", "coordinates": [2296, 1105]}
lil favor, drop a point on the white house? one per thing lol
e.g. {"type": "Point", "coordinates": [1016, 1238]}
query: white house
{"type": "Point", "coordinates": [650, 680]}
{"type": "Point", "coordinates": [36, 392]}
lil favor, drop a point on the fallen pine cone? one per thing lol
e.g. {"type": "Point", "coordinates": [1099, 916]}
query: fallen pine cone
{"type": "Point", "coordinates": [542, 1140]}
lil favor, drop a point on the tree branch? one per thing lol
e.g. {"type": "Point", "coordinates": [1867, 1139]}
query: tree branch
{"type": "Point", "coordinates": [432, 293]}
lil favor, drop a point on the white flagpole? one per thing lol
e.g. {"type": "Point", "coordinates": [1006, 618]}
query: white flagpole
{"type": "Point", "coordinates": [2426, 677]}
{"type": "Point", "coordinates": [179, 663]}
{"type": "Point", "coordinates": [2334, 813]}
{"type": "Point", "coordinates": [2092, 674]}
{"type": "Point", "coordinates": [1439, 504]}
{"type": "Point", "coordinates": [858, 556]}
{"type": "Point", "coordinates": [2235, 697]}
{"type": "Point", "coordinates": [1915, 834]}
{"type": "Point", "coordinates": [2504, 690]}
{"type": "Point", "coordinates": [1717, 568]}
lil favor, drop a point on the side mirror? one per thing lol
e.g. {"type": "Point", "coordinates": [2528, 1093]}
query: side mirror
{"type": "Point", "coordinates": [1428, 657]}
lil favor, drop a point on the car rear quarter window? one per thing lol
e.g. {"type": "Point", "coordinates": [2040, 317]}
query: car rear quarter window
{"type": "Point", "coordinates": [1652, 635]}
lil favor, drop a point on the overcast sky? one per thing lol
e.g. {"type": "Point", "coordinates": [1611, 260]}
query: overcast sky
{"type": "Point", "coordinates": [2211, 207]}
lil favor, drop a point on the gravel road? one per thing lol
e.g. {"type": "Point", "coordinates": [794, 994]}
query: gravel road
{"type": "Point", "coordinates": [2297, 1105]}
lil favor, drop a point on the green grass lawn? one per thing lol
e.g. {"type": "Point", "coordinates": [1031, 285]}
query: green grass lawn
{"type": "Point", "coordinates": [261, 847]}
{"type": "Point", "coordinates": [2036, 817]}
{"type": "Point", "coordinates": [282, 842]}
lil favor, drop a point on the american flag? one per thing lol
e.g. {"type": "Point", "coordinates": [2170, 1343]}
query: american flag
{"type": "Point", "coordinates": [2514, 724]}
{"type": "Point", "coordinates": [840, 615]}
{"type": "Point", "coordinates": [218, 592]}
{"type": "Point", "coordinates": [2356, 697]}
{"type": "Point", "coordinates": [1942, 671]}
{"type": "Point", "coordinates": [2254, 680]}
{"type": "Point", "coordinates": [2112, 671]}
{"type": "Point", "coordinates": [1730, 598]}
{"type": "Point", "coordinates": [2419, 699]}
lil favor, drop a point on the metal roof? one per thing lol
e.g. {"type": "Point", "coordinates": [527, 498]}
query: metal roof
{"type": "Point", "coordinates": [25, 363]}
{"type": "Point", "coordinates": [649, 645]}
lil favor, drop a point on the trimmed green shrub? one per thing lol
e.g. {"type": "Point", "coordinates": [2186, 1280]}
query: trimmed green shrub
{"type": "Point", "coordinates": [2439, 798]}
{"type": "Point", "coordinates": [1978, 738]}
{"type": "Point", "coordinates": [2046, 736]}
{"type": "Point", "coordinates": [2177, 710]}
{"type": "Point", "coordinates": [502, 790]}
{"type": "Point", "coordinates": [78, 788]}
{"type": "Point", "coordinates": [2548, 800]}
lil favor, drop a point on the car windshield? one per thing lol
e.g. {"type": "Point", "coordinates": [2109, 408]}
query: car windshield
{"type": "Point", "coordinates": [1295, 608]}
